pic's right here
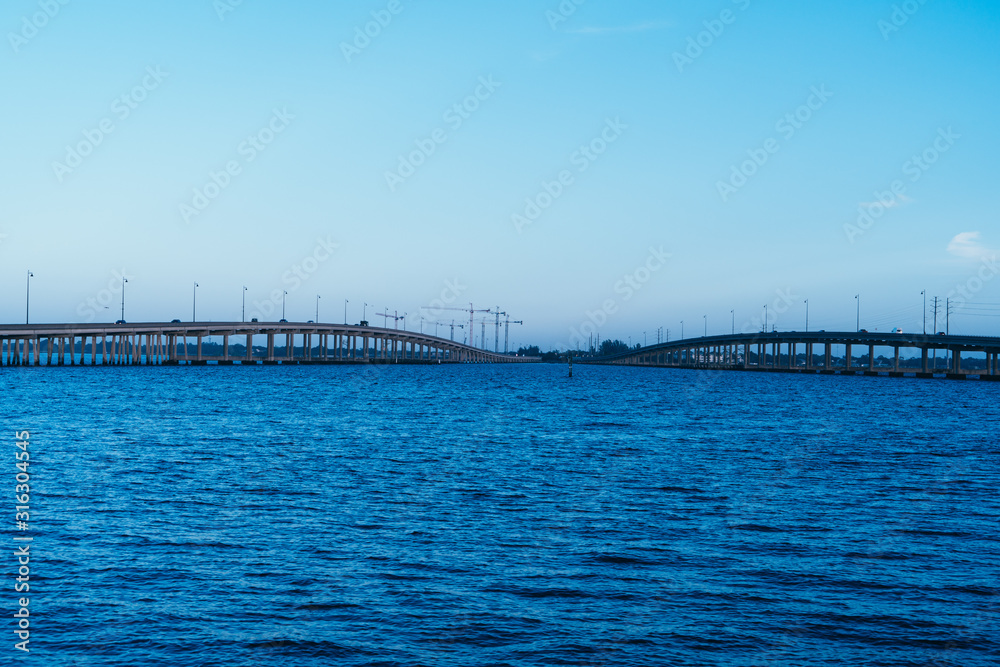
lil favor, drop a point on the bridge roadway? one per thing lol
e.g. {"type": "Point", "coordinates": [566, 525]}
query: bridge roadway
{"type": "Point", "coordinates": [779, 352]}
{"type": "Point", "coordinates": [168, 344]}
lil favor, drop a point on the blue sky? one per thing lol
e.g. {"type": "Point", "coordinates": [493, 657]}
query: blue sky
{"type": "Point", "coordinates": [315, 211]}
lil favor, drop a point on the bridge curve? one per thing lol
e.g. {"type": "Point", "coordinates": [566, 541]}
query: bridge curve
{"type": "Point", "coordinates": [158, 343]}
{"type": "Point", "coordinates": [778, 352]}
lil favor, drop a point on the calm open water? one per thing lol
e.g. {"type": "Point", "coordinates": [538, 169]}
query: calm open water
{"type": "Point", "coordinates": [504, 515]}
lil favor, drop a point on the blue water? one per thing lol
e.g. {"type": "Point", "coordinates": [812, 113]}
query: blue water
{"type": "Point", "coordinates": [505, 515]}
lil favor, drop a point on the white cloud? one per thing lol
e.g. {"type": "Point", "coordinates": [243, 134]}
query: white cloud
{"type": "Point", "coordinates": [967, 246]}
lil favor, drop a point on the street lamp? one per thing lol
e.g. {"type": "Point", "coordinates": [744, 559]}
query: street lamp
{"type": "Point", "coordinates": [27, 295]}
{"type": "Point", "coordinates": [706, 325]}
{"type": "Point", "coordinates": [682, 329]}
{"type": "Point", "coordinates": [923, 293]}
{"type": "Point", "coordinates": [345, 311]}
{"type": "Point", "coordinates": [194, 304]}
{"type": "Point", "coordinates": [764, 330]}
{"type": "Point", "coordinates": [284, 293]}
{"type": "Point", "coordinates": [807, 315]}
{"type": "Point", "coordinates": [857, 297]}
{"type": "Point", "coordinates": [244, 303]}
{"type": "Point", "coordinates": [733, 313]}
{"type": "Point", "coordinates": [124, 280]}
{"type": "Point", "coordinates": [318, 297]}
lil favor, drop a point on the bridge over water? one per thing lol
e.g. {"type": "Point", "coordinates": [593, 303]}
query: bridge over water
{"type": "Point", "coordinates": [184, 343]}
{"type": "Point", "coordinates": [800, 352]}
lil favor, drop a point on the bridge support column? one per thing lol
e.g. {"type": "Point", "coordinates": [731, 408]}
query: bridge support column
{"type": "Point", "coordinates": [895, 359]}
{"type": "Point", "coordinates": [923, 359]}
{"type": "Point", "coordinates": [848, 356]}
{"type": "Point", "coordinates": [871, 358]}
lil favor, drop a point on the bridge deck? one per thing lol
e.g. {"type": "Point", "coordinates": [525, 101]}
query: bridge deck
{"type": "Point", "coordinates": [157, 343]}
{"type": "Point", "coordinates": [779, 352]}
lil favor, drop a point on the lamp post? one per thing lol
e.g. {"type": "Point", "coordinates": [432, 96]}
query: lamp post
{"type": "Point", "coordinates": [923, 293]}
{"type": "Point", "coordinates": [857, 297]}
{"type": "Point", "coordinates": [284, 293]}
{"type": "Point", "coordinates": [244, 304]}
{"type": "Point", "coordinates": [345, 311]}
{"type": "Point", "coordinates": [682, 329]}
{"type": "Point", "coordinates": [194, 304]}
{"type": "Point", "coordinates": [706, 325]}
{"type": "Point", "coordinates": [318, 297]}
{"type": "Point", "coordinates": [807, 315]}
{"type": "Point", "coordinates": [733, 313]}
{"type": "Point", "coordinates": [27, 296]}
{"type": "Point", "coordinates": [364, 312]}
{"type": "Point", "coordinates": [124, 280]}
{"type": "Point", "coordinates": [765, 319]}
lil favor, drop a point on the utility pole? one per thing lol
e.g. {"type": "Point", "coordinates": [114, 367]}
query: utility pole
{"type": "Point", "coordinates": [935, 314]}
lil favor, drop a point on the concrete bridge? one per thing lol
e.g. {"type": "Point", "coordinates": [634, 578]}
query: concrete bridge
{"type": "Point", "coordinates": [177, 343]}
{"type": "Point", "coordinates": [799, 352]}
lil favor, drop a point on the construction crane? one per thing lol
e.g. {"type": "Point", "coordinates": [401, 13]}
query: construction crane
{"type": "Point", "coordinates": [396, 317]}
{"type": "Point", "coordinates": [470, 310]}
{"type": "Point", "coordinates": [496, 333]}
{"type": "Point", "coordinates": [506, 331]}
{"type": "Point", "coordinates": [453, 325]}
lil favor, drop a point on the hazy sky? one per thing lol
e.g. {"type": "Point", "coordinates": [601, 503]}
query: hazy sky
{"type": "Point", "coordinates": [631, 163]}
